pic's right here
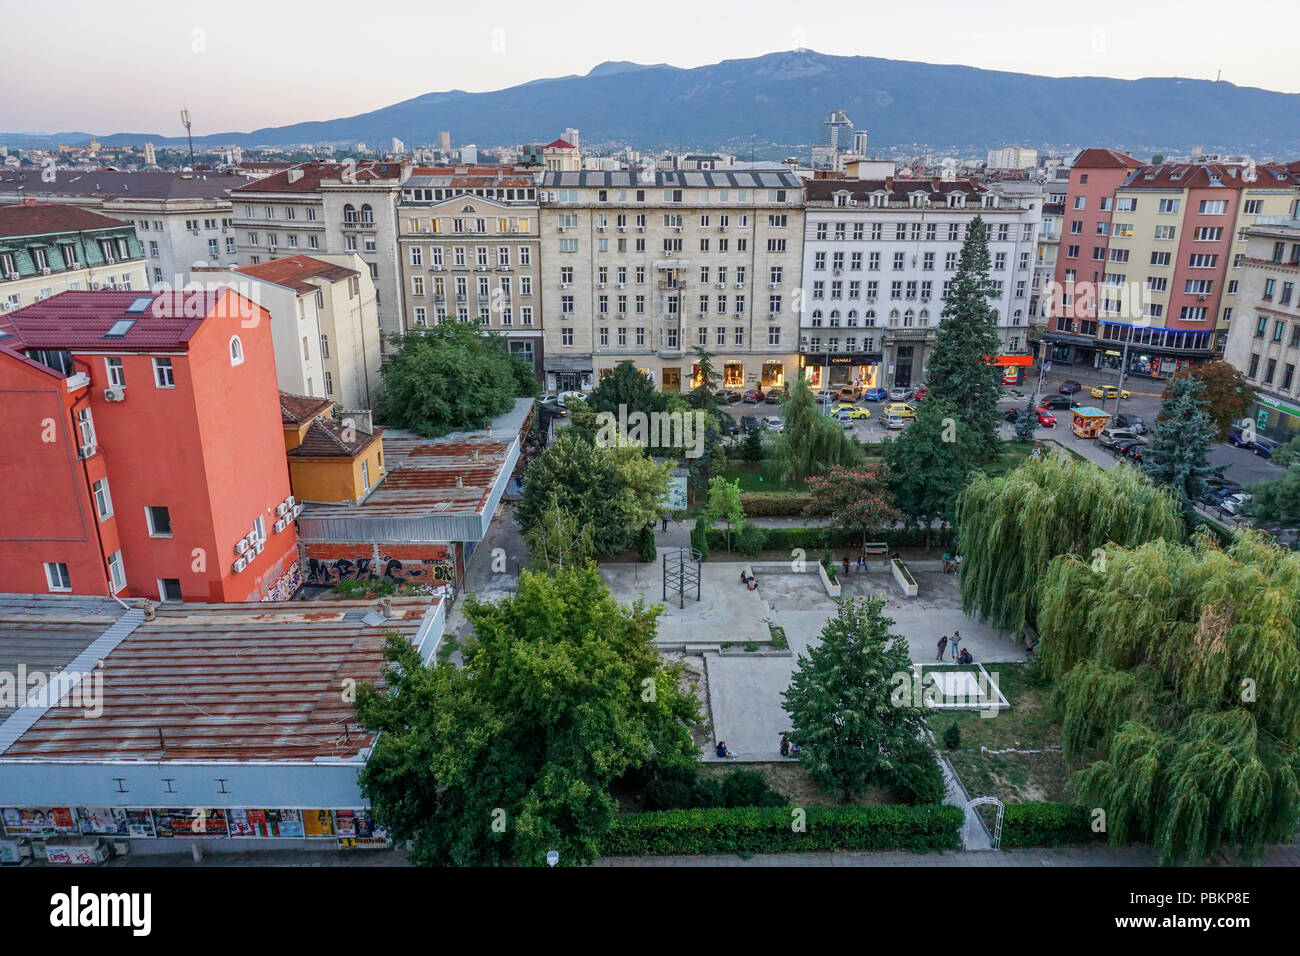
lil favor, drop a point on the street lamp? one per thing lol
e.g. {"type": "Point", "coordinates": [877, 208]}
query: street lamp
{"type": "Point", "coordinates": [1123, 368]}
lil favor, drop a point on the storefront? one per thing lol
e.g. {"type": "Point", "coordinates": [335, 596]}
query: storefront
{"type": "Point", "coordinates": [1276, 418]}
{"type": "Point", "coordinates": [861, 369]}
{"type": "Point", "coordinates": [569, 374]}
{"type": "Point", "coordinates": [1146, 364]}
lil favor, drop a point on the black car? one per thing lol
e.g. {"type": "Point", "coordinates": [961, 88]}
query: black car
{"type": "Point", "coordinates": [729, 425]}
{"type": "Point", "coordinates": [1264, 447]}
{"type": "Point", "coordinates": [552, 408]}
{"type": "Point", "coordinates": [1132, 423]}
{"type": "Point", "coordinates": [750, 424]}
{"type": "Point", "coordinates": [1069, 387]}
{"type": "Point", "coordinates": [1132, 450]}
{"type": "Point", "coordinates": [1057, 401]}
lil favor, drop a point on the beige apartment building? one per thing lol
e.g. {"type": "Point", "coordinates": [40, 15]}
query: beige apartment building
{"type": "Point", "coordinates": [646, 265]}
{"type": "Point", "coordinates": [469, 249]}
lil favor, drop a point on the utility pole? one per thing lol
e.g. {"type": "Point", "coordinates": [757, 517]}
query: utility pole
{"type": "Point", "coordinates": [1123, 369]}
{"type": "Point", "coordinates": [185, 121]}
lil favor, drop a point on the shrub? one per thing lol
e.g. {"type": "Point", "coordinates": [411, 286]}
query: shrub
{"type": "Point", "coordinates": [1047, 824]}
{"type": "Point", "coordinates": [681, 788]}
{"type": "Point", "coordinates": [767, 830]}
{"type": "Point", "coordinates": [917, 775]}
{"type": "Point", "coordinates": [779, 640]}
{"type": "Point", "coordinates": [745, 788]}
{"type": "Point", "coordinates": [750, 540]}
{"type": "Point", "coordinates": [647, 550]}
{"type": "Point", "coordinates": [785, 504]}
{"type": "Point", "coordinates": [952, 736]}
{"type": "Point", "coordinates": [700, 537]}
{"type": "Point", "coordinates": [816, 538]}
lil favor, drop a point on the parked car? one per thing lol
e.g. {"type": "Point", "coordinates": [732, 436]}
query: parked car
{"type": "Point", "coordinates": [1108, 391]}
{"type": "Point", "coordinates": [1045, 418]}
{"type": "Point", "coordinates": [728, 395]}
{"type": "Point", "coordinates": [920, 394]}
{"type": "Point", "coordinates": [1242, 436]}
{"type": "Point", "coordinates": [1058, 401]}
{"type": "Point", "coordinates": [1132, 450]}
{"type": "Point", "coordinates": [901, 409]}
{"type": "Point", "coordinates": [774, 395]}
{"type": "Point", "coordinates": [774, 423]}
{"type": "Point", "coordinates": [900, 393]}
{"type": "Point", "coordinates": [851, 410]}
{"type": "Point", "coordinates": [1233, 502]}
{"type": "Point", "coordinates": [749, 423]}
{"type": "Point", "coordinates": [752, 396]}
{"type": "Point", "coordinates": [552, 408]}
{"type": "Point", "coordinates": [849, 393]}
{"type": "Point", "coordinates": [1264, 447]}
{"type": "Point", "coordinates": [876, 394]}
{"type": "Point", "coordinates": [1110, 437]}
{"type": "Point", "coordinates": [730, 426]}
{"type": "Point", "coordinates": [895, 421]}
{"type": "Point", "coordinates": [1131, 422]}
{"type": "Point", "coordinates": [1069, 387]}
{"type": "Point", "coordinates": [1218, 492]}
{"type": "Point", "coordinates": [826, 395]}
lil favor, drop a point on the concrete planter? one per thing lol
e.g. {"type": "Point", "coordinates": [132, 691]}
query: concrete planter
{"type": "Point", "coordinates": [903, 577]}
{"type": "Point", "coordinates": [832, 587]}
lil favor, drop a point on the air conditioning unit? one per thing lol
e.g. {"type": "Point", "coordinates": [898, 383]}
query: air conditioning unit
{"type": "Point", "coordinates": [241, 546]}
{"type": "Point", "coordinates": [291, 501]}
{"type": "Point", "coordinates": [565, 285]}
{"type": "Point", "coordinates": [194, 232]}
{"type": "Point", "coordinates": [640, 228]}
{"type": "Point", "coordinates": [677, 228]}
{"type": "Point", "coordinates": [280, 525]}
{"type": "Point", "coordinates": [621, 285]}
{"type": "Point", "coordinates": [45, 271]}
{"type": "Point", "coordinates": [773, 285]}
{"type": "Point", "coordinates": [837, 272]}
{"type": "Point", "coordinates": [722, 285]}
{"type": "Point", "coordinates": [281, 508]}
{"type": "Point", "coordinates": [600, 285]}
{"type": "Point", "coordinates": [297, 510]}
{"type": "Point", "coordinates": [722, 229]}
{"type": "Point", "coordinates": [437, 267]}
{"type": "Point", "coordinates": [114, 394]}
{"type": "Point", "coordinates": [622, 228]}
{"type": "Point", "coordinates": [561, 228]}
{"type": "Point", "coordinates": [514, 228]}
{"type": "Point", "coordinates": [258, 548]}
{"type": "Point", "coordinates": [96, 286]}
{"type": "Point", "coordinates": [239, 565]}
{"type": "Point", "coordinates": [87, 450]}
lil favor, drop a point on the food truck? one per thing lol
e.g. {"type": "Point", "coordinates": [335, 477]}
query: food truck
{"type": "Point", "coordinates": [1088, 421]}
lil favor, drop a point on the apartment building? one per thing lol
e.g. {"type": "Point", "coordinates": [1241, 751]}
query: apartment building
{"type": "Point", "coordinates": [878, 257]}
{"type": "Point", "coordinates": [47, 248]}
{"type": "Point", "coordinates": [324, 323]}
{"type": "Point", "coordinates": [334, 208]}
{"type": "Point", "coordinates": [470, 248]}
{"type": "Point", "coordinates": [1264, 336]}
{"type": "Point", "coordinates": [1071, 332]}
{"type": "Point", "coordinates": [645, 265]}
{"type": "Point", "coordinates": [181, 219]}
{"type": "Point", "coordinates": [143, 452]}
{"type": "Point", "coordinates": [1045, 261]}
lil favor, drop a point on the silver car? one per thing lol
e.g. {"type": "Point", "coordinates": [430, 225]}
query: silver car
{"type": "Point", "coordinates": [901, 394]}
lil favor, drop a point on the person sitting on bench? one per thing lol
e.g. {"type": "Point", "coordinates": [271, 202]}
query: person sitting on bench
{"type": "Point", "coordinates": [965, 657]}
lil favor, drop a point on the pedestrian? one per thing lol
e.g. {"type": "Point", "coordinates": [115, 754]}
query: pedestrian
{"type": "Point", "coordinates": [785, 746]}
{"type": "Point", "coordinates": [665, 520]}
{"type": "Point", "coordinates": [862, 559]}
{"type": "Point", "coordinates": [947, 563]}
{"type": "Point", "coordinates": [845, 562]}
{"type": "Point", "coordinates": [953, 642]}
{"type": "Point", "coordinates": [943, 646]}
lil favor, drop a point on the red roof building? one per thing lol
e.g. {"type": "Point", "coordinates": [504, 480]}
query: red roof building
{"type": "Point", "coordinates": [145, 455]}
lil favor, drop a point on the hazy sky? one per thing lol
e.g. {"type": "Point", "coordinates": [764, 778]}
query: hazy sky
{"type": "Point", "coordinates": [128, 66]}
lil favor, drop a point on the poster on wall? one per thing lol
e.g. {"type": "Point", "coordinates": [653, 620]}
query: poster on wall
{"type": "Point", "coordinates": [241, 825]}
{"type": "Point", "coordinates": [317, 823]}
{"type": "Point", "coordinates": [115, 821]}
{"type": "Point", "coordinates": [38, 820]}
{"type": "Point", "coordinates": [191, 822]}
{"type": "Point", "coordinates": [363, 832]}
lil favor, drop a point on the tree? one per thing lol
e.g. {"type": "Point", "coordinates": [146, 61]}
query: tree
{"type": "Point", "coordinates": [1179, 453]}
{"type": "Point", "coordinates": [583, 480]}
{"type": "Point", "coordinates": [841, 702]}
{"type": "Point", "coordinates": [1025, 422]}
{"type": "Point", "coordinates": [1012, 527]}
{"type": "Point", "coordinates": [1157, 159]}
{"type": "Point", "coordinates": [751, 449]}
{"type": "Point", "coordinates": [724, 506]}
{"type": "Point", "coordinates": [1276, 501]}
{"type": "Point", "coordinates": [930, 463]}
{"type": "Point", "coordinates": [1176, 664]}
{"type": "Point", "coordinates": [704, 382]}
{"type": "Point", "coordinates": [450, 377]}
{"type": "Point", "coordinates": [512, 755]}
{"type": "Point", "coordinates": [854, 498]}
{"type": "Point", "coordinates": [1288, 454]}
{"type": "Point", "coordinates": [645, 487]}
{"type": "Point", "coordinates": [629, 388]}
{"type": "Point", "coordinates": [810, 443]}
{"type": "Point", "coordinates": [1228, 396]}
{"type": "Point", "coordinates": [558, 540]}
{"type": "Point", "coordinates": [958, 370]}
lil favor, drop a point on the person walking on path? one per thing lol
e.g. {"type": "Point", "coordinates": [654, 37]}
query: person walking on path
{"type": "Point", "coordinates": [845, 563]}
{"type": "Point", "coordinates": [862, 559]}
{"type": "Point", "coordinates": [665, 520]}
{"type": "Point", "coordinates": [943, 646]}
{"type": "Point", "coordinates": [953, 642]}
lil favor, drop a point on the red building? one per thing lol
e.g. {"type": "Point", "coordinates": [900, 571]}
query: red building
{"type": "Point", "coordinates": [141, 450]}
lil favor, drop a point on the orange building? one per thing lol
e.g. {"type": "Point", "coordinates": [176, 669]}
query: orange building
{"type": "Point", "coordinates": [141, 450]}
{"type": "Point", "coordinates": [330, 459]}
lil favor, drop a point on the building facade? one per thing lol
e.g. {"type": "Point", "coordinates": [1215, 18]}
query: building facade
{"type": "Point", "coordinates": [644, 266]}
{"type": "Point", "coordinates": [878, 257]}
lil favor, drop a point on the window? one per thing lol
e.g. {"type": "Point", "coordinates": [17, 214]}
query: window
{"type": "Point", "coordinates": [365, 476]}
{"type": "Point", "coordinates": [236, 351]}
{"type": "Point", "coordinates": [116, 376]}
{"type": "Point", "coordinates": [159, 520]}
{"type": "Point", "coordinates": [56, 576]}
{"type": "Point", "coordinates": [329, 383]}
{"type": "Point", "coordinates": [169, 590]}
{"type": "Point", "coordinates": [1169, 205]}
{"type": "Point", "coordinates": [566, 335]}
{"type": "Point", "coordinates": [116, 574]}
{"type": "Point", "coordinates": [103, 500]}
{"type": "Point", "coordinates": [1213, 207]}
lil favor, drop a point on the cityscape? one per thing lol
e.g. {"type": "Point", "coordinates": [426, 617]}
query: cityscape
{"type": "Point", "coordinates": [550, 485]}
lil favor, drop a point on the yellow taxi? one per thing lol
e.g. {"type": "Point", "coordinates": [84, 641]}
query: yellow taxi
{"type": "Point", "coordinates": [1108, 391]}
{"type": "Point", "coordinates": [849, 410]}
{"type": "Point", "coordinates": [901, 409]}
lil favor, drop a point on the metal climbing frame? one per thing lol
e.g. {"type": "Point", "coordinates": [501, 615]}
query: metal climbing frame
{"type": "Point", "coordinates": [681, 572]}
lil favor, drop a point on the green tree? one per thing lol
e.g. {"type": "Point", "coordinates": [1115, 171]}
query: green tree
{"type": "Point", "coordinates": [627, 387]}
{"type": "Point", "coordinates": [751, 449]}
{"type": "Point", "coordinates": [1176, 666]}
{"type": "Point", "coordinates": [1157, 159]}
{"type": "Point", "coordinates": [1012, 526]}
{"type": "Point", "coordinates": [930, 463]}
{"type": "Point", "coordinates": [1228, 395]}
{"type": "Point", "coordinates": [562, 692]}
{"type": "Point", "coordinates": [583, 480]}
{"type": "Point", "coordinates": [858, 499]}
{"type": "Point", "coordinates": [811, 443]}
{"type": "Point", "coordinates": [1179, 453]}
{"type": "Point", "coordinates": [1288, 454]}
{"type": "Point", "coordinates": [841, 702]}
{"type": "Point", "coordinates": [724, 506]}
{"type": "Point", "coordinates": [958, 371]}
{"type": "Point", "coordinates": [450, 377]}
{"type": "Point", "coordinates": [1276, 501]}
{"type": "Point", "coordinates": [558, 540]}
{"type": "Point", "coordinates": [645, 487]}
{"type": "Point", "coordinates": [1025, 422]}
{"type": "Point", "coordinates": [704, 381]}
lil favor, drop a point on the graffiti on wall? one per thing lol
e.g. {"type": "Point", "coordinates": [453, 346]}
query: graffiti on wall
{"type": "Point", "coordinates": [432, 571]}
{"type": "Point", "coordinates": [286, 585]}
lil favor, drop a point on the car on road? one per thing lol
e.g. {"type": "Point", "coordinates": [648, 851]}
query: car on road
{"type": "Point", "coordinates": [730, 426]}
{"type": "Point", "coordinates": [552, 408]}
{"type": "Point", "coordinates": [1132, 450]}
{"type": "Point", "coordinates": [1232, 503]}
{"type": "Point", "coordinates": [826, 395]}
{"type": "Point", "coordinates": [851, 410]}
{"type": "Point", "coordinates": [749, 423]}
{"type": "Point", "coordinates": [921, 393]}
{"type": "Point", "coordinates": [1217, 493]}
{"type": "Point", "coordinates": [1108, 391]}
{"type": "Point", "coordinates": [901, 409]}
{"type": "Point", "coordinates": [1110, 437]}
{"type": "Point", "coordinates": [1069, 387]}
{"type": "Point", "coordinates": [900, 394]}
{"type": "Point", "coordinates": [850, 393]}
{"type": "Point", "coordinates": [1058, 401]}
{"type": "Point", "coordinates": [774, 423]}
{"type": "Point", "coordinates": [1131, 423]}
{"type": "Point", "coordinates": [1045, 418]}
{"type": "Point", "coordinates": [774, 395]}
{"type": "Point", "coordinates": [876, 394]}
{"type": "Point", "coordinates": [1264, 447]}
{"type": "Point", "coordinates": [752, 396]}
{"type": "Point", "coordinates": [895, 421]}
{"type": "Point", "coordinates": [730, 396]}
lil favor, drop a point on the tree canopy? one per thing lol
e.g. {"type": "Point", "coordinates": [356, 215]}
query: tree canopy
{"type": "Point", "coordinates": [1178, 664]}
{"type": "Point", "coordinates": [1228, 395]}
{"type": "Point", "coordinates": [1012, 526]}
{"type": "Point", "coordinates": [724, 506]}
{"type": "Point", "coordinates": [810, 443]}
{"type": "Point", "coordinates": [450, 377]}
{"type": "Point", "coordinates": [930, 462]}
{"type": "Point", "coordinates": [512, 755]}
{"type": "Point", "coordinates": [1276, 501]}
{"type": "Point", "coordinates": [626, 386]}
{"type": "Point", "coordinates": [558, 540]}
{"type": "Point", "coordinates": [958, 371]}
{"type": "Point", "coordinates": [1179, 453]}
{"type": "Point", "coordinates": [858, 498]}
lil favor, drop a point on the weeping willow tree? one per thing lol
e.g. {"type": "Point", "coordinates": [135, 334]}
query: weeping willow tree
{"type": "Point", "coordinates": [810, 443]}
{"type": "Point", "coordinates": [1011, 527]}
{"type": "Point", "coordinates": [1179, 664]}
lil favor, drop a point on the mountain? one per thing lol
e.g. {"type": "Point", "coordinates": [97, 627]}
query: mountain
{"type": "Point", "coordinates": [780, 99]}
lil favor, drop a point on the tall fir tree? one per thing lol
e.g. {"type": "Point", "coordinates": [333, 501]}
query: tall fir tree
{"type": "Point", "coordinates": [958, 370]}
{"type": "Point", "coordinates": [1179, 453]}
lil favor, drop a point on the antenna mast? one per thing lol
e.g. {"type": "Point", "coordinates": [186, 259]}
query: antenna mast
{"type": "Point", "coordinates": [185, 121]}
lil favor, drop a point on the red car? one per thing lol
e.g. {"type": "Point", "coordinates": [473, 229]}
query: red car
{"type": "Point", "coordinates": [920, 394]}
{"type": "Point", "coordinates": [1045, 418]}
{"type": "Point", "coordinates": [752, 396]}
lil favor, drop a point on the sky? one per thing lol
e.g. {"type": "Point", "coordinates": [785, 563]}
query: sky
{"type": "Point", "coordinates": [129, 66]}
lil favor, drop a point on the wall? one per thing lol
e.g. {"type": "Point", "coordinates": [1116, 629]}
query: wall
{"type": "Point", "coordinates": [328, 564]}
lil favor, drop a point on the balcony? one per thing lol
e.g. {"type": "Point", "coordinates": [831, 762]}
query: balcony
{"type": "Point", "coordinates": [358, 225]}
{"type": "Point", "coordinates": [915, 332]}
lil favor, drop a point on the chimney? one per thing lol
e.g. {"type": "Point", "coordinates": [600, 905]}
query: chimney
{"type": "Point", "coordinates": [361, 419]}
{"type": "Point", "coordinates": [386, 607]}
{"type": "Point", "coordinates": [149, 610]}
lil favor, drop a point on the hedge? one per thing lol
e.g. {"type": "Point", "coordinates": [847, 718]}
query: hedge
{"type": "Point", "coordinates": [770, 830]}
{"type": "Point", "coordinates": [766, 504]}
{"type": "Point", "coordinates": [1047, 824]}
{"type": "Point", "coordinates": [816, 538]}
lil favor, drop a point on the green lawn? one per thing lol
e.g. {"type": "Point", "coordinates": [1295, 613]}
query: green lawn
{"type": "Point", "coordinates": [1013, 453]}
{"type": "Point", "coordinates": [751, 478]}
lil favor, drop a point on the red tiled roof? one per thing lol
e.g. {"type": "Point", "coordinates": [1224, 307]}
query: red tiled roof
{"type": "Point", "coordinates": [1104, 159]}
{"type": "Point", "coordinates": [80, 320]}
{"type": "Point", "coordinates": [1207, 175]}
{"type": "Point", "coordinates": [293, 271]}
{"type": "Point", "coordinates": [296, 409]}
{"type": "Point", "coordinates": [328, 438]}
{"type": "Point", "coordinates": [314, 172]}
{"type": "Point", "coordinates": [559, 144]}
{"type": "Point", "coordinates": [41, 219]}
